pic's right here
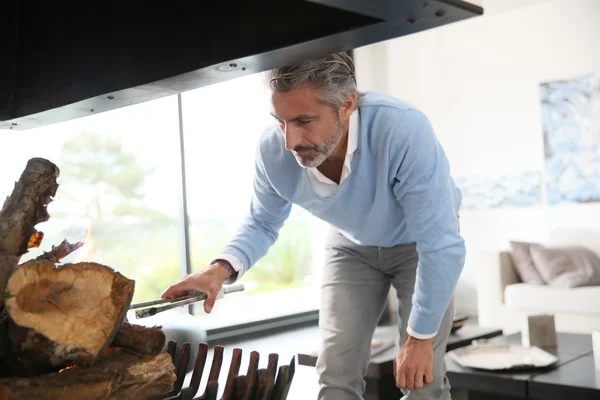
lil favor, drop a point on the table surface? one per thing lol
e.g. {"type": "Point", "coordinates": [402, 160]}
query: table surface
{"type": "Point", "coordinates": [577, 379]}
{"type": "Point", "coordinates": [465, 335]}
{"type": "Point", "coordinates": [381, 361]}
{"type": "Point", "coordinates": [570, 347]}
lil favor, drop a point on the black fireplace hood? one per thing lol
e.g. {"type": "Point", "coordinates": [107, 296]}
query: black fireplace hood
{"type": "Point", "coordinates": [67, 59]}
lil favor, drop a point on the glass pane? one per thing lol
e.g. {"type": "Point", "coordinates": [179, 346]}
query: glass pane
{"type": "Point", "coordinates": [222, 125]}
{"type": "Point", "coordinates": [119, 189]}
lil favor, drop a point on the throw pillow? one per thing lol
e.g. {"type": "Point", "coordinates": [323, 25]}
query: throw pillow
{"type": "Point", "coordinates": [567, 267]}
{"type": "Point", "coordinates": [523, 263]}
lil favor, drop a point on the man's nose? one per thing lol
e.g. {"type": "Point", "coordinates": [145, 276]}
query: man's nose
{"type": "Point", "coordinates": [292, 137]}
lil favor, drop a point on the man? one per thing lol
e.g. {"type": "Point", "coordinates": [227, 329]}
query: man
{"type": "Point", "coordinates": [371, 166]}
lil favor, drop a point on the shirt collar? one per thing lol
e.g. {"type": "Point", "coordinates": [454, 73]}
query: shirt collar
{"type": "Point", "coordinates": [352, 133]}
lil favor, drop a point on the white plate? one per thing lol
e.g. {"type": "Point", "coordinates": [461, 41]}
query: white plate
{"type": "Point", "coordinates": [497, 358]}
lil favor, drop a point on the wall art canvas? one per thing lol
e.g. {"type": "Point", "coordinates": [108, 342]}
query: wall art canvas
{"type": "Point", "coordinates": [484, 192]}
{"type": "Point", "coordinates": [571, 127]}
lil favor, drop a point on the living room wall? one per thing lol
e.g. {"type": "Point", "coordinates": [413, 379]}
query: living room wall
{"type": "Point", "coordinates": [478, 82]}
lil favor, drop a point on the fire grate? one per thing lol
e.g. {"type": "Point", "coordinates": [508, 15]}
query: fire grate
{"type": "Point", "coordinates": [269, 383]}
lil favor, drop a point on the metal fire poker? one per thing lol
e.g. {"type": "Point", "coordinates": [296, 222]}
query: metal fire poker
{"type": "Point", "coordinates": [175, 302]}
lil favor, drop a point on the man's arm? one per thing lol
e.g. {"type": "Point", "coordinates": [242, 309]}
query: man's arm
{"type": "Point", "coordinates": [425, 190]}
{"type": "Point", "coordinates": [267, 214]}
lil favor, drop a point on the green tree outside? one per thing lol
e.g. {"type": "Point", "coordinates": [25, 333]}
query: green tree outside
{"type": "Point", "coordinates": [104, 182]}
{"type": "Point", "coordinates": [139, 242]}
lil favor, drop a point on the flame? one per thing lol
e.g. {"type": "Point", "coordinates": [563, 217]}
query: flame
{"type": "Point", "coordinates": [67, 368]}
{"type": "Point", "coordinates": [85, 250]}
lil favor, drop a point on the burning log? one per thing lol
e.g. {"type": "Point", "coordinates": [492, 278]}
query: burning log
{"type": "Point", "coordinates": [59, 252]}
{"type": "Point", "coordinates": [67, 316]}
{"type": "Point", "coordinates": [22, 210]}
{"type": "Point", "coordinates": [120, 375]}
{"type": "Point", "coordinates": [62, 333]}
{"type": "Point", "coordinates": [64, 315]}
{"type": "Point", "coordinates": [140, 339]}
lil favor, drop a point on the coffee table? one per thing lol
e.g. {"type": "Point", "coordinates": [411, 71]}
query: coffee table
{"type": "Point", "coordinates": [574, 380]}
{"type": "Point", "coordinates": [463, 337]}
{"type": "Point", "coordinates": [561, 381]}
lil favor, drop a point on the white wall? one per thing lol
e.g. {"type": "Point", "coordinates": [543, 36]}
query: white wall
{"type": "Point", "coordinates": [478, 81]}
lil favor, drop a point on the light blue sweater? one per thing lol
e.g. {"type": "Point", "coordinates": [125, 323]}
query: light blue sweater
{"type": "Point", "coordinates": [399, 191]}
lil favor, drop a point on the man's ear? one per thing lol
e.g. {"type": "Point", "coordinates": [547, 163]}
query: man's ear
{"type": "Point", "coordinates": [348, 107]}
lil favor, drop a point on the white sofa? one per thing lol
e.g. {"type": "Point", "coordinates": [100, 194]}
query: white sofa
{"type": "Point", "coordinates": [503, 300]}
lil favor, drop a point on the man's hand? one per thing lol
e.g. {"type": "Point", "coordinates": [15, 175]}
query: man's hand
{"type": "Point", "coordinates": [413, 365]}
{"type": "Point", "coordinates": [208, 281]}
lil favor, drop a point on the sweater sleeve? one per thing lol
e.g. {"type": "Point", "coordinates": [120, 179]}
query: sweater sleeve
{"type": "Point", "coordinates": [425, 190]}
{"type": "Point", "coordinates": [259, 230]}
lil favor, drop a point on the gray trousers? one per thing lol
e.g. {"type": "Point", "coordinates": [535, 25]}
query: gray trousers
{"type": "Point", "coordinates": [355, 285]}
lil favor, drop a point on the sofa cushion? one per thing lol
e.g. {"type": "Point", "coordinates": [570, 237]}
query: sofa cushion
{"type": "Point", "coordinates": [552, 300]}
{"type": "Point", "coordinates": [524, 266]}
{"type": "Point", "coordinates": [566, 266]}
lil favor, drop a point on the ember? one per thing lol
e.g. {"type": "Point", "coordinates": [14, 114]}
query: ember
{"type": "Point", "coordinates": [67, 368]}
{"type": "Point", "coordinates": [35, 240]}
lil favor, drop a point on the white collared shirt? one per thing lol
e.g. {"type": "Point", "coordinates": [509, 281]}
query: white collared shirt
{"type": "Point", "coordinates": [324, 186]}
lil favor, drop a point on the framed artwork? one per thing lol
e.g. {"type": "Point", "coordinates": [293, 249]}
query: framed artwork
{"type": "Point", "coordinates": [571, 127]}
{"type": "Point", "coordinates": [484, 192]}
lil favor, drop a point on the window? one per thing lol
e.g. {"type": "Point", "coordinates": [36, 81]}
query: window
{"type": "Point", "coordinates": [121, 191]}
{"type": "Point", "coordinates": [118, 189]}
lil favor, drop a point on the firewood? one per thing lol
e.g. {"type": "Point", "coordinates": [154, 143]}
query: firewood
{"type": "Point", "coordinates": [140, 339]}
{"type": "Point", "coordinates": [120, 375]}
{"type": "Point", "coordinates": [59, 252]}
{"type": "Point", "coordinates": [22, 210]}
{"type": "Point", "coordinates": [64, 315]}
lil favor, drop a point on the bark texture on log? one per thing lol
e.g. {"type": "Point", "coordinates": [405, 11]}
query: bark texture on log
{"type": "Point", "coordinates": [22, 210]}
{"type": "Point", "coordinates": [59, 252]}
{"type": "Point", "coordinates": [140, 339]}
{"type": "Point", "coordinates": [120, 375]}
{"type": "Point", "coordinates": [5, 348]}
{"type": "Point", "coordinates": [64, 315]}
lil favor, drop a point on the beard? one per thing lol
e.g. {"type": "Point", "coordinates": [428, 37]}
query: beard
{"type": "Point", "coordinates": [320, 153]}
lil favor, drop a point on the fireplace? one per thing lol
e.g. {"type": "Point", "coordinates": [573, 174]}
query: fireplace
{"type": "Point", "coordinates": [64, 331]}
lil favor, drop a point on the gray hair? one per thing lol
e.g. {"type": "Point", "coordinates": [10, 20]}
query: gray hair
{"type": "Point", "coordinates": [333, 74]}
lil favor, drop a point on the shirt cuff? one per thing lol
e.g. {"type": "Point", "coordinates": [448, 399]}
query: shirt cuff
{"type": "Point", "coordinates": [419, 335]}
{"type": "Point", "coordinates": [235, 262]}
